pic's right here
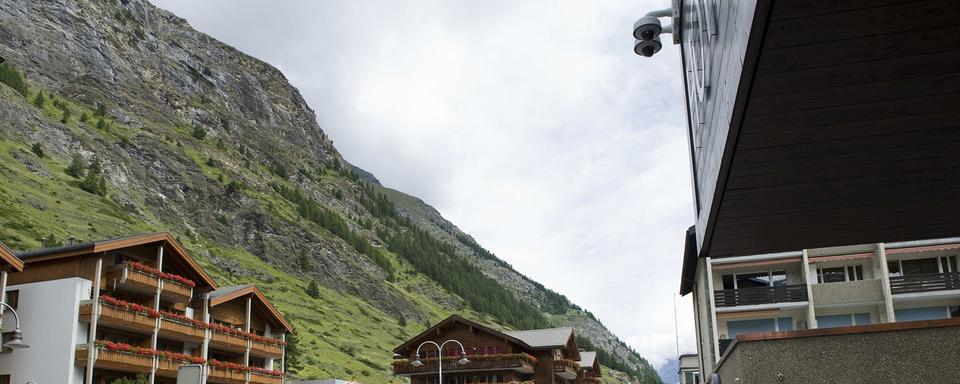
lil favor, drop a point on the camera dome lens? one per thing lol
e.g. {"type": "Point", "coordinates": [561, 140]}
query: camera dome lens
{"type": "Point", "coordinates": [647, 35]}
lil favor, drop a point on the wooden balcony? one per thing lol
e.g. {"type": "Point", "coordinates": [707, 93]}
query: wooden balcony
{"type": "Point", "coordinates": [169, 368]}
{"type": "Point", "coordinates": [522, 363]}
{"type": "Point", "coordinates": [182, 331]}
{"type": "Point", "coordinates": [120, 318]}
{"type": "Point", "coordinates": [228, 342]}
{"type": "Point", "coordinates": [116, 361]}
{"type": "Point", "coordinates": [565, 368]}
{"type": "Point", "coordinates": [925, 283]}
{"type": "Point", "coordinates": [265, 379]}
{"type": "Point", "coordinates": [760, 295]}
{"type": "Point", "coordinates": [225, 376]}
{"type": "Point", "coordinates": [262, 349]}
{"type": "Point", "coordinates": [124, 277]}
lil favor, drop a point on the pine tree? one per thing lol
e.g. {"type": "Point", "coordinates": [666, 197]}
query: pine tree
{"type": "Point", "coordinates": [291, 359]}
{"type": "Point", "coordinates": [75, 168]}
{"type": "Point", "coordinates": [39, 100]}
{"type": "Point", "coordinates": [66, 115]}
{"type": "Point", "coordinates": [101, 110]}
{"type": "Point", "coordinates": [84, 117]}
{"type": "Point", "coordinates": [94, 182]}
{"type": "Point", "coordinates": [198, 132]}
{"type": "Point", "coordinates": [102, 124]}
{"type": "Point", "coordinates": [37, 150]}
{"type": "Point", "coordinates": [313, 290]}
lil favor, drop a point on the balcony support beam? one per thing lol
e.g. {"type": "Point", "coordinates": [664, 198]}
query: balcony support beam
{"type": "Point", "coordinates": [94, 315]}
{"type": "Point", "coordinates": [811, 311]}
{"type": "Point", "coordinates": [156, 307]}
{"type": "Point", "coordinates": [711, 298]}
{"type": "Point", "coordinates": [885, 276]}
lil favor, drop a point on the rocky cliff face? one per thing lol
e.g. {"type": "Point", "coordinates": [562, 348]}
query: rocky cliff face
{"type": "Point", "coordinates": [198, 139]}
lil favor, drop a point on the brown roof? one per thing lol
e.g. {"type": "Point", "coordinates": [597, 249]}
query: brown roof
{"type": "Point", "coordinates": [120, 243]}
{"type": "Point", "coordinates": [462, 320]}
{"type": "Point", "coordinates": [228, 294]}
{"type": "Point", "coordinates": [7, 257]}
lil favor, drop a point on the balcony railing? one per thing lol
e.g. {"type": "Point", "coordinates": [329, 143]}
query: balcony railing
{"type": "Point", "coordinates": [518, 362]}
{"type": "Point", "coordinates": [565, 368]}
{"type": "Point", "coordinates": [760, 295]}
{"type": "Point", "coordinates": [136, 278]}
{"type": "Point", "coordinates": [228, 341]}
{"type": "Point", "coordinates": [119, 317]}
{"type": "Point", "coordinates": [115, 360]}
{"type": "Point", "coordinates": [925, 283]}
{"type": "Point", "coordinates": [266, 348]}
{"type": "Point", "coordinates": [226, 376]}
{"type": "Point", "coordinates": [181, 330]}
{"type": "Point", "coordinates": [264, 379]}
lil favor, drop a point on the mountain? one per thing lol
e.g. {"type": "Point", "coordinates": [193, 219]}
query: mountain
{"type": "Point", "coordinates": [118, 118]}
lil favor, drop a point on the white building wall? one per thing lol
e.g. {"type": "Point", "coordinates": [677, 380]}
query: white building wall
{"type": "Point", "coordinates": [48, 316]}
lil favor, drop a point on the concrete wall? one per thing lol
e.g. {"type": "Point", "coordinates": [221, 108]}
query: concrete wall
{"type": "Point", "coordinates": [48, 316]}
{"type": "Point", "coordinates": [703, 300]}
{"type": "Point", "coordinates": [924, 355]}
{"type": "Point", "coordinates": [848, 292]}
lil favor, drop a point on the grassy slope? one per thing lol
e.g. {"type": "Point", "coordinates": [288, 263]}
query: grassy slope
{"type": "Point", "coordinates": [340, 335]}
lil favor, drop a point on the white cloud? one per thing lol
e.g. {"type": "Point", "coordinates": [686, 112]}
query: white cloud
{"type": "Point", "coordinates": [530, 124]}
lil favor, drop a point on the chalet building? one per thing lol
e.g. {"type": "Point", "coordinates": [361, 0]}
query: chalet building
{"type": "Point", "coordinates": [541, 356]}
{"type": "Point", "coordinates": [823, 145]}
{"type": "Point", "coordinates": [689, 369]}
{"type": "Point", "coordinates": [94, 312]}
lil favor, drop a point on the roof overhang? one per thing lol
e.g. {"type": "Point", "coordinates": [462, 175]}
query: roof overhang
{"type": "Point", "coordinates": [461, 320]}
{"type": "Point", "coordinates": [259, 300]}
{"type": "Point", "coordinates": [7, 257]}
{"type": "Point", "coordinates": [844, 129]}
{"type": "Point", "coordinates": [171, 248]}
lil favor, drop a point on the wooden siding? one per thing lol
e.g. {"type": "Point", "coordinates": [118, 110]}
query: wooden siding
{"type": "Point", "coordinates": [849, 132]}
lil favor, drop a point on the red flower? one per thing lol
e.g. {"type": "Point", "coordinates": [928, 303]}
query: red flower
{"type": "Point", "coordinates": [248, 335]}
{"type": "Point", "coordinates": [163, 275]}
{"type": "Point", "coordinates": [184, 319]}
{"type": "Point", "coordinates": [126, 348]}
{"type": "Point", "coordinates": [182, 357]}
{"type": "Point", "coordinates": [243, 368]}
{"type": "Point", "coordinates": [115, 302]}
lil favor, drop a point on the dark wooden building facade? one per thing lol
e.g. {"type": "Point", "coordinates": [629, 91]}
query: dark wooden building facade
{"type": "Point", "coordinates": [541, 356]}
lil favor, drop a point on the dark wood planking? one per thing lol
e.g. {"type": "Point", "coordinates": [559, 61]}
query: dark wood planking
{"type": "Point", "coordinates": [894, 18]}
{"type": "Point", "coordinates": [881, 90]}
{"type": "Point", "coordinates": [945, 157]}
{"type": "Point", "coordinates": [764, 240]}
{"type": "Point", "coordinates": [867, 49]}
{"type": "Point", "coordinates": [855, 157]}
{"type": "Point", "coordinates": [857, 130]}
{"type": "Point", "coordinates": [846, 114]}
{"type": "Point", "coordinates": [823, 78]}
{"type": "Point", "coordinates": [794, 9]}
{"type": "Point", "coordinates": [889, 192]}
{"type": "Point", "coordinates": [825, 149]}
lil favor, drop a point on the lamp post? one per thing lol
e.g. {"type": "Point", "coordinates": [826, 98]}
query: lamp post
{"type": "Point", "coordinates": [463, 356]}
{"type": "Point", "coordinates": [16, 337]}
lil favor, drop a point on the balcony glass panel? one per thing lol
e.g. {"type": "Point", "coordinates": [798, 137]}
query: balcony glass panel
{"type": "Point", "coordinates": [920, 267]}
{"type": "Point", "coordinates": [912, 314]}
{"type": "Point", "coordinates": [748, 280]}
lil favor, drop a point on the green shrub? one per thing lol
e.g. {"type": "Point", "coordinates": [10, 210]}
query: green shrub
{"type": "Point", "coordinates": [10, 76]}
{"type": "Point", "coordinates": [84, 117]}
{"type": "Point", "coordinates": [94, 182]}
{"type": "Point", "coordinates": [101, 110]}
{"type": "Point", "coordinates": [37, 149]}
{"type": "Point", "coordinates": [140, 379]}
{"type": "Point", "coordinates": [66, 115]}
{"type": "Point", "coordinates": [313, 290]}
{"type": "Point", "coordinates": [198, 132]}
{"type": "Point", "coordinates": [76, 167]}
{"type": "Point", "coordinates": [39, 100]}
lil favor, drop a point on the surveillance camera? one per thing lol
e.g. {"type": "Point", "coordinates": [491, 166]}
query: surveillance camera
{"type": "Point", "coordinates": [647, 28]}
{"type": "Point", "coordinates": [647, 48]}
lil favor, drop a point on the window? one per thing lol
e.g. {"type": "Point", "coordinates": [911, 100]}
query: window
{"type": "Point", "coordinates": [13, 298]}
{"type": "Point", "coordinates": [754, 279]}
{"type": "Point", "coordinates": [929, 313]}
{"type": "Point", "coordinates": [4, 379]}
{"type": "Point", "coordinates": [839, 274]}
{"type": "Point", "coordinates": [898, 268]}
{"type": "Point", "coordinates": [843, 320]}
{"type": "Point", "coordinates": [949, 264]}
{"type": "Point", "coordinates": [737, 327]}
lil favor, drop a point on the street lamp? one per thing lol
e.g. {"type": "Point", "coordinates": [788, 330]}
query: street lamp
{"type": "Point", "coordinates": [16, 336]}
{"type": "Point", "coordinates": [463, 356]}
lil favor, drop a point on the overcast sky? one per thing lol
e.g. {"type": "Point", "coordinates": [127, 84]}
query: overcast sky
{"type": "Point", "coordinates": [529, 124]}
